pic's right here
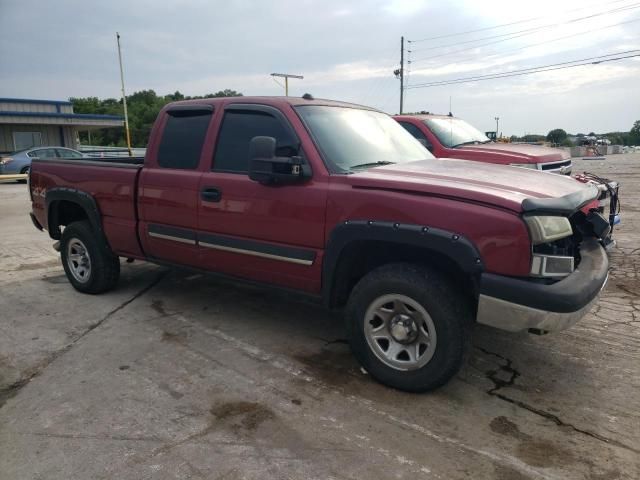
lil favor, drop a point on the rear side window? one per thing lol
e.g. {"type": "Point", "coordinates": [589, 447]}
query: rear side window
{"type": "Point", "coordinates": [182, 139]}
{"type": "Point", "coordinates": [238, 128]}
{"type": "Point", "coordinates": [46, 153]}
{"type": "Point", "coordinates": [65, 153]}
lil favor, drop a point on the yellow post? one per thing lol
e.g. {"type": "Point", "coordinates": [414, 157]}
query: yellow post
{"type": "Point", "coordinates": [286, 86]}
{"type": "Point", "coordinates": [124, 99]}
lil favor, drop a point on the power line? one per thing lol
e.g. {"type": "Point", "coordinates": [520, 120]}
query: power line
{"type": "Point", "coordinates": [557, 39]}
{"type": "Point", "coordinates": [528, 71]}
{"type": "Point", "coordinates": [529, 31]}
{"type": "Point", "coordinates": [504, 24]}
{"type": "Point", "coordinates": [520, 33]}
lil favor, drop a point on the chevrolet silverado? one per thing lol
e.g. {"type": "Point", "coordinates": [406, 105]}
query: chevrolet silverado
{"type": "Point", "coordinates": [340, 202]}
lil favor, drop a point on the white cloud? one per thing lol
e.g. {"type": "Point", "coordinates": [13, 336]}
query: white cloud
{"type": "Point", "coordinates": [405, 7]}
{"type": "Point", "coordinates": [345, 50]}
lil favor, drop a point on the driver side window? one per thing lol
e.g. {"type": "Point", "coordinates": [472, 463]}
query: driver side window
{"type": "Point", "coordinates": [417, 133]}
{"type": "Point", "coordinates": [237, 130]}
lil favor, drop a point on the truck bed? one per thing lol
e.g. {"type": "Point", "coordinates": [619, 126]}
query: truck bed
{"type": "Point", "coordinates": [112, 182]}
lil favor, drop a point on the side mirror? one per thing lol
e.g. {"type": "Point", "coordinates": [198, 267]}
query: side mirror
{"type": "Point", "coordinates": [267, 169]}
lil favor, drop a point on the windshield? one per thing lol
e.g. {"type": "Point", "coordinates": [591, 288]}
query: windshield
{"type": "Point", "coordinates": [350, 138]}
{"type": "Point", "coordinates": [453, 132]}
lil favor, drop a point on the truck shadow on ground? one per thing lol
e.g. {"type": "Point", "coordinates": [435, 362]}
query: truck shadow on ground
{"type": "Point", "coordinates": [314, 337]}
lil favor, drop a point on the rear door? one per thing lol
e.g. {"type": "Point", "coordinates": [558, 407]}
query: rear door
{"type": "Point", "coordinates": [168, 187]}
{"type": "Point", "coordinates": [273, 234]}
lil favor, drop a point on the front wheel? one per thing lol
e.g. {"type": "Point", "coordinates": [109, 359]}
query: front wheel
{"type": "Point", "coordinates": [408, 326]}
{"type": "Point", "coordinates": [89, 263]}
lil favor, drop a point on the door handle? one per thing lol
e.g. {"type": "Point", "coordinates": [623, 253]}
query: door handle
{"type": "Point", "coordinates": [211, 194]}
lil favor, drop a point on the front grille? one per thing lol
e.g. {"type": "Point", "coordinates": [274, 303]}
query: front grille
{"type": "Point", "coordinates": [556, 165]}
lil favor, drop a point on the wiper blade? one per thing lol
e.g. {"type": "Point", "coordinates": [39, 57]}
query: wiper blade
{"type": "Point", "coordinates": [372, 164]}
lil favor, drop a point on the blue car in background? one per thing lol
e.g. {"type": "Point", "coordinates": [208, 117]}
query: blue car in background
{"type": "Point", "coordinates": [20, 161]}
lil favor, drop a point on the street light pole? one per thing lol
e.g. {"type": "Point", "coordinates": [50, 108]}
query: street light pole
{"type": "Point", "coordinates": [497, 119]}
{"type": "Point", "coordinates": [286, 77]}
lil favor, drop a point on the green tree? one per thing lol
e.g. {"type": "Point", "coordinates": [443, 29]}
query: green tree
{"type": "Point", "coordinates": [533, 138]}
{"type": "Point", "coordinates": [143, 108]}
{"type": "Point", "coordinates": [557, 135]}
{"type": "Point", "coordinates": [222, 93]}
{"type": "Point", "coordinates": [634, 134]}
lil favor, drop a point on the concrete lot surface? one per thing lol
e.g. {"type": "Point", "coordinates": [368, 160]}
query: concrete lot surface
{"type": "Point", "coordinates": [176, 375]}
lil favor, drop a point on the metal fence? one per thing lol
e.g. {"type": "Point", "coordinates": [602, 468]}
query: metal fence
{"type": "Point", "coordinates": [98, 151]}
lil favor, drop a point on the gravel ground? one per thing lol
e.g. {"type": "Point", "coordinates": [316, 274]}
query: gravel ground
{"type": "Point", "coordinates": [175, 375]}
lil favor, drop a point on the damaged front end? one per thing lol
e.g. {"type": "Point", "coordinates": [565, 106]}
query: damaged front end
{"type": "Point", "coordinates": [608, 206]}
{"type": "Point", "coordinates": [569, 267]}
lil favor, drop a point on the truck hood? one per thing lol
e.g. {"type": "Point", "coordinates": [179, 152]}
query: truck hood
{"type": "Point", "coordinates": [496, 185]}
{"type": "Point", "coordinates": [519, 152]}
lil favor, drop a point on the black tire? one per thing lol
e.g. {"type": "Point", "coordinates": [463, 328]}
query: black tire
{"type": "Point", "coordinates": [450, 315]}
{"type": "Point", "coordinates": [25, 170]}
{"type": "Point", "coordinates": [104, 265]}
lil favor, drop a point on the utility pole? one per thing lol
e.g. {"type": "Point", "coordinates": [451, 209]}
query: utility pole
{"type": "Point", "coordinates": [399, 73]}
{"type": "Point", "coordinates": [286, 76]}
{"type": "Point", "coordinates": [124, 98]}
{"type": "Point", "coordinates": [497, 119]}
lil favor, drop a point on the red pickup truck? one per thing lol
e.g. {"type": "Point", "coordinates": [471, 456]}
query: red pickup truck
{"type": "Point", "coordinates": [450, 137]}
{"type": "Point", "coordinates": [340, 202]}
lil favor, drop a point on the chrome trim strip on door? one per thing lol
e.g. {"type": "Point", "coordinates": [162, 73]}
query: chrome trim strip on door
{"type": "Point", "coordinates": [175, 239]}
{"type": "Point", "coordinates": [175, 234]}
{"type": "Point", "coordinates": [299, 256]}
{"type": "Point", "coordinates": [254, 253]}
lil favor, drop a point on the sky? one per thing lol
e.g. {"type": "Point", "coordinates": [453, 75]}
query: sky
{"type": "Point", "coordinates": [346, 50]}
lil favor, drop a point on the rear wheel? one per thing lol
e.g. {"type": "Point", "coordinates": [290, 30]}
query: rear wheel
{"type": "Point", "coordinates": [89, 263]}
{"type": "Point", "coordinates": [24, 171]}
{"type": "Point", "coordinates": [408, 326]}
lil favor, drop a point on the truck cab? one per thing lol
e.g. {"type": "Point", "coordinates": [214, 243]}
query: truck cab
{"type": "Point", "coordinates": [450, 137]}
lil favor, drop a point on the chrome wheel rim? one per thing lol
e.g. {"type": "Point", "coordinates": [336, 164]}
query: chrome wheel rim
{"type": "Point", "coordinates": [400, 332]}
{"type": "Point", "coordinates": [78, 260]}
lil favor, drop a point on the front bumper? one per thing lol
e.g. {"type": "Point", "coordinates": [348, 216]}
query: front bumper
{"type": "Point", "coordinates": [514, 304]}
{"type": "Point", "coordinates": [8, 169]}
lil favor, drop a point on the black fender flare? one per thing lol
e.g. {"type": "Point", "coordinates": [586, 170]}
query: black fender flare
{"type": "Point", "coordinates": [83, 199]}
{"type": "Point", "coordinates": [456, 247]}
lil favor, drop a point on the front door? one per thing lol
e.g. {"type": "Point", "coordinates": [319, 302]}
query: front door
{"type": "Point", "coordinates": [272, 234]}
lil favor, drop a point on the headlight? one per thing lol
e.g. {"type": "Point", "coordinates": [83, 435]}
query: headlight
{"type": "Point", "coordinates": [5, 160]}
{"type": "Point", "coordinates": [544, 229]}
{"type": "Point", "coordinates": [525, 165]}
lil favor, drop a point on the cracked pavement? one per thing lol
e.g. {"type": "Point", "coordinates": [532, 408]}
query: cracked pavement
{"type": "Point", "coordinates": [176, 375]}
